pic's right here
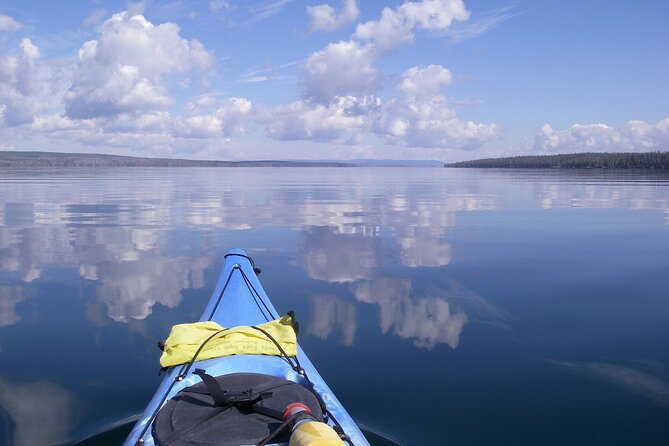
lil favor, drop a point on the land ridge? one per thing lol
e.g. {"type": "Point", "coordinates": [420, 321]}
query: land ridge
{"type": "Point", "coordinates": [60, 159]}
{"type": "Point", "coordinates": [583, 160]}
{"type": "Point", "coordinates": [18, 159]}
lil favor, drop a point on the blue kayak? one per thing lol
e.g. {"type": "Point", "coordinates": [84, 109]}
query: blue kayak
{"type": "Point", "coordinates": [238, 300]}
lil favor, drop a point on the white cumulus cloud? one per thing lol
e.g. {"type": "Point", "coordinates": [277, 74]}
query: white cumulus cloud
{"type": "Point", "coordinates": [395, 27]}
{"type": "Point", "coordinates": [632, 136]}
{"type": "Point", "coordinates": [119, 90]}
{"type": "Point", "coordinates": [343, 120]}
{"type": "Point", "coordinates": [431, 123]}
{"type": "Point", "coordinates": [423, 118]}
{"type": "Point", "coordinates": [347, 67]}
{"type": "Point", "coordinates": [157, 131]}
{"type": "Point", "coordinates": [123, 70]}
{"type": "Point", "coordinates": [341, 68]}
{"type": "Point", "coordinates": [8, 23]}
{"type": "Point", "coordinates": [208, 118]}
{"type": "Point", "coordinates": [420, 117]}
{"type": "Point", "coordinates": [326, 18]}
{"type": "Point", "coordinates": [419, 81]}
{"type": "Point", "coordinates": [19, 86]}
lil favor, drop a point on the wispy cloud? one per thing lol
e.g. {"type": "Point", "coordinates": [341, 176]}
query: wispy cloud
{"type": "Point", "coordinates": [261, 78]}
{"type": "Point", "coordinates": [466, 102]}
{"type": "Point", "coordinates": [479, 24]}
{"type": "Point", "coordinates": [271, 73]}
{"type": "Point", "coordinates": [218, 5]}
{"type": "Point", "coordinates": [95, 18]}
{"type": "Point", "coordinates": [137, 7]}
{"type": "Point", "coordinates": [267, 9]}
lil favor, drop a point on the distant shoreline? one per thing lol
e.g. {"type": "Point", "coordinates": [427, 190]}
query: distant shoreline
{"type": "Point", "coordinates": [16, 159]}
{"type": "Point", "coordinates": [55, 159]}
{"type": "Point", "coordinates": [627, 160]}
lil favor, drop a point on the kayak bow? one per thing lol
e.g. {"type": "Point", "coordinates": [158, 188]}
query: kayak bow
{"type": "Point", "coordinates": [186, 409]}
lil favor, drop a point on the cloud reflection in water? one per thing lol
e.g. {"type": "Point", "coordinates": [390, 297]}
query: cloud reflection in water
{"type": "Point", "coordinates": [352, 222]}
{"type": "Point", "coordinates": [10, 296]}
{"type": "Point", "coordinates": [338, 258]}
{"type": "Point", "coordinates": [629, 378]}
{"type": "Point", "coordinates": [423, 250]}
{"type": "Point", "coordinates": [330, 312]}
{"type": "Point", "coordinates": [133, 274]}
{"type": "Point", "coordinates": [42, 413]}
{"type": "Point", "coordinates": [131, 288]}
{"type": "Point", "coordinates": [132, 267]}
{"type": "Point", "coordinates": [433, 318]}
{"type": "Point", "coordinates": [429, 321]}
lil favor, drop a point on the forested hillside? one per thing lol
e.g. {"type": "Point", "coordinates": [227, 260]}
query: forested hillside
{"type": "Point", "coordinates": [628, 160]}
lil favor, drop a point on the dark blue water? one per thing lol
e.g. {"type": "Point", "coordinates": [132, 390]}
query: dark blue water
{"type": "Point", "coordinates": [443, 306]}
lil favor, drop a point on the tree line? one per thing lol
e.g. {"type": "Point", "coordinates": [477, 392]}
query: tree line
{"type": "Point", "coordinates": [590, 160]}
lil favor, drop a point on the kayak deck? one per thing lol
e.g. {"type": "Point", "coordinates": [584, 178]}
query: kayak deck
{"type": "Point", "coordinates": [239, 299]}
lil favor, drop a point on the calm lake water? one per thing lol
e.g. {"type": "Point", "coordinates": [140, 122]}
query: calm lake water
{"type": "Point", "coordinates": [443, 306]}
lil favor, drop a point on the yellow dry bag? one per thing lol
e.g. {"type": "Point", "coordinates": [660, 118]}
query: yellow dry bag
{"type": "Point", "coordinates": [185, 339]}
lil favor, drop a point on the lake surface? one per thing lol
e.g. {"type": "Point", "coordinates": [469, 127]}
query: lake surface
{"type": "Point", "coordinates": [443, 306]}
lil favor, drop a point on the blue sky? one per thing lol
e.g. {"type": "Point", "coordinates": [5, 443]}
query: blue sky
{"type": "Point", "coordinates": [288, 79]}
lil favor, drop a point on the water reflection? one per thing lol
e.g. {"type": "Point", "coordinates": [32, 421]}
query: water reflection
{"type": "Point", "coordinates": [131, 287]}
{"type": "Point", "coordinates": [594, 196]}
{"type": "Point", "coordinates": [429, 321]}
{"type": "Point", "coordinates": [132, 269]}
{"type": "Point", "coordinates": [27, 251]}
{"type": "Point", "coordinates": [42, 413]}
{"type": "Point", "coordinates": [438, 315]}
{"type": "Point", "coordinates": [120, 239]}
{"type": "Point", "coordinates": [338, 258]}
{"type": "Point", "coordinates": [132, 272]}
{"type": "Point", "coordinates": [631, 379]}
{"type": "Point", "coordinates": [431, 256]}
{"type": "Point", "coordinates": [10, 296]}
{"type": "Point", "coordinates": [332, 313]}
{"type": "Point", "coordinates": [422, 247]}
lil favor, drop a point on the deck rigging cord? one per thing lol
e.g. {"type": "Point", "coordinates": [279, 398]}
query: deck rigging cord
{"type": "Point", "coordinates": [181, 374]}
{"type": "Point", "coordinates": [215, 390]}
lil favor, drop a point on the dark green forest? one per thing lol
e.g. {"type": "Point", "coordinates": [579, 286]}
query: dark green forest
{"type": "Point", "coordinates": [628, 160]}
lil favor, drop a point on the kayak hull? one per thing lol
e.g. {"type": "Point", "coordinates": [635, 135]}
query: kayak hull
{"type": "Point", "coordinates": [239, 299]}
